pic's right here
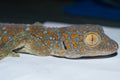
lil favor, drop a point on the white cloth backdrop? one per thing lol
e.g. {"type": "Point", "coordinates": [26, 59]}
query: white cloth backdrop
{"type": "Point", "coordinates": [29, 67]}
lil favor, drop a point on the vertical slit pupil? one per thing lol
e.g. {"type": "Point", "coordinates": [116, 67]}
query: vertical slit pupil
{"type": "Point", "coordinates": [65, 47]}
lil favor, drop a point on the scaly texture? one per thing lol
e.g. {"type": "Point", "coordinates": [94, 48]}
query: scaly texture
{"type": "Point", "coordinates": [71, 42]}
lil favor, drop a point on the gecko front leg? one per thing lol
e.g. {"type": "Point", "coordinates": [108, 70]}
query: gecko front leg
{"type": "Point", "coordinates": [16, 43]}
{"type": "Point", "coordinates": [7, 51]}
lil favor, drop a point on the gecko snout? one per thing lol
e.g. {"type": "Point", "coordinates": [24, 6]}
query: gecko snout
{"type": "Point", "coordinates": [115, 46]}
{"type": "Point", "coordinates": [111, 48]}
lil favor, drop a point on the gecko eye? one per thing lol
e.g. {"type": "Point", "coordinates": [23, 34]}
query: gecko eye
{"type": "Point", "coordinates": [92, 39]}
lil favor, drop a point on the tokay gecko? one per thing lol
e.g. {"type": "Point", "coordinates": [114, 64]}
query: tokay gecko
{"type": "Point", "coordinates": [75, 41]}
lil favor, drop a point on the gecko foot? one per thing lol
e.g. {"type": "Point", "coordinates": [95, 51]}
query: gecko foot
{"type": "Point", "coordinates": [3, 55]}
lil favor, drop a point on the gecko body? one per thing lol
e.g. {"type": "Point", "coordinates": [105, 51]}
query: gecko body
{"type": "Point", "coordinates": [74, 41]}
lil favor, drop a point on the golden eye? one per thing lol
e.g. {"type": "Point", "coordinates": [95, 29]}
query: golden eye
{"type": "Point", "coordinates": [92, 39]}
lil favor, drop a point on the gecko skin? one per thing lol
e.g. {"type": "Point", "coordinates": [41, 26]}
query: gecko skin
{"type": "Point", "coordinates": [71, 42]}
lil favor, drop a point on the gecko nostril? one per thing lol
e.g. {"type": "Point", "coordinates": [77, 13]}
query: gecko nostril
{"type": "Point", "coordinates": [116, 46]}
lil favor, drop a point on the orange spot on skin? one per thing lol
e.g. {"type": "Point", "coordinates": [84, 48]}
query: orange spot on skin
{"type": "Point", "coordinates": [0, 31]}
{"type": "Point", "coordinates": [61, 54]}
{"type": "Point", "coordinates": [74, 44]}
{"type": "Point", "coordinates": [71, 30]}
{"type": "Point", "coordinates": [57, 45]}
{"type": "Point", "coordinates": [40, 33]}
{"type": "Point", "coordinates": [97, 47]}
{"type": "Point", "coordinates": [55, 52]}
{"type": "Point", "coordinates": [0, 48]}
{"type": "Point", "coordinates": [48, 41]}
{"type": "Point", "coordinates": [68, 46]}
{"type": "Point", "coordinates": [15, 33]}
{"type": "Point", "coordinates": [61, 48]}
{"type": "Point", "coordinates": [48, 33]}
{"type": "Point", "coordinates": [41, 53]}
{"type": "Point", "coordinates": [81, 37]}
{"type": "Point", "coordinates": [20, 29]}
{"type": "Point", "coordinates": [31, 46]}
{"type": "Point", "coordinates": [4, 39]}
{"type": "Point", "coordinates": [90, 51]}
{"type": "Point", "coordinates": [66, 41]}
{"type": "Point", "coordinates": [87, 51]}
{"type": "Point", "coordinates": [8, 28]}
{"type": "Point", "coordinates": [33, 31]}
{"type": "Point", "coordinates": [36, 49]}
{"type": "Point", "coordinates": [32, 41]}
{"type": "Point", "coordinates": [74, 35]}
{"type": "Point", "coordinates": [80, 42]}
{"type": "Point", "coordinates": [81, 49]}
{"type": "Point", "coordinates": [17, 43]}
{"type": "Point", "coordinates": [44, 47]}
{"type": "Point", "coordinates": [10, 32]}
{"type": "Point", "coordinates": [53, 42]}
{"type": "Point", "coordinates": [12, 46]}
{"type": "Point", "coordinates": [65, 34]}
{"type": "Point", "coordinates": [54, 35]}
{"type": "Point", "coordinates": [103, 40]}
{"type": "Point", "coordinates": [0, 42]}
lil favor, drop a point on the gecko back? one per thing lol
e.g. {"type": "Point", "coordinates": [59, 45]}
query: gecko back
{"type": "Point", "coordinates": [85, 41]}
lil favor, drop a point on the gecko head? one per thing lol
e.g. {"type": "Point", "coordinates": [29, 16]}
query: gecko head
{"type": "Point", "coordinates": [88, 40]}
{"type": "Point", "coordinates": [98, 43]}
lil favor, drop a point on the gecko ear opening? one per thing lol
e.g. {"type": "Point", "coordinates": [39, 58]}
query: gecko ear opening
{"type": "Point", "coordinates": [65, 47]}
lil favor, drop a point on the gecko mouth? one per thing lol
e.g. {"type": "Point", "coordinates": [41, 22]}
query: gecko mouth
{"type": "Point", "coordinates": [113, 49]}
{"type": "Point", "coordinates": [99, 57]}
{"type": "Point", "coordinates": [106, 52]}
{"type": "Point", "coordinates": [90, 57]}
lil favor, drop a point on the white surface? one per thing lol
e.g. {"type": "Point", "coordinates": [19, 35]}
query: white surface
{"type": "Point", "coordinates": [29, 67]}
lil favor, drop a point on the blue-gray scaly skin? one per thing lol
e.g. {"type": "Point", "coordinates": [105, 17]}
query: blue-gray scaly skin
{"type": "Point", "coordinates": [71, 42]}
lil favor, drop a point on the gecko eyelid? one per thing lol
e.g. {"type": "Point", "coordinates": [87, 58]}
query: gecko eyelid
{"type": "Point", "coordinates": [92, 39]}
